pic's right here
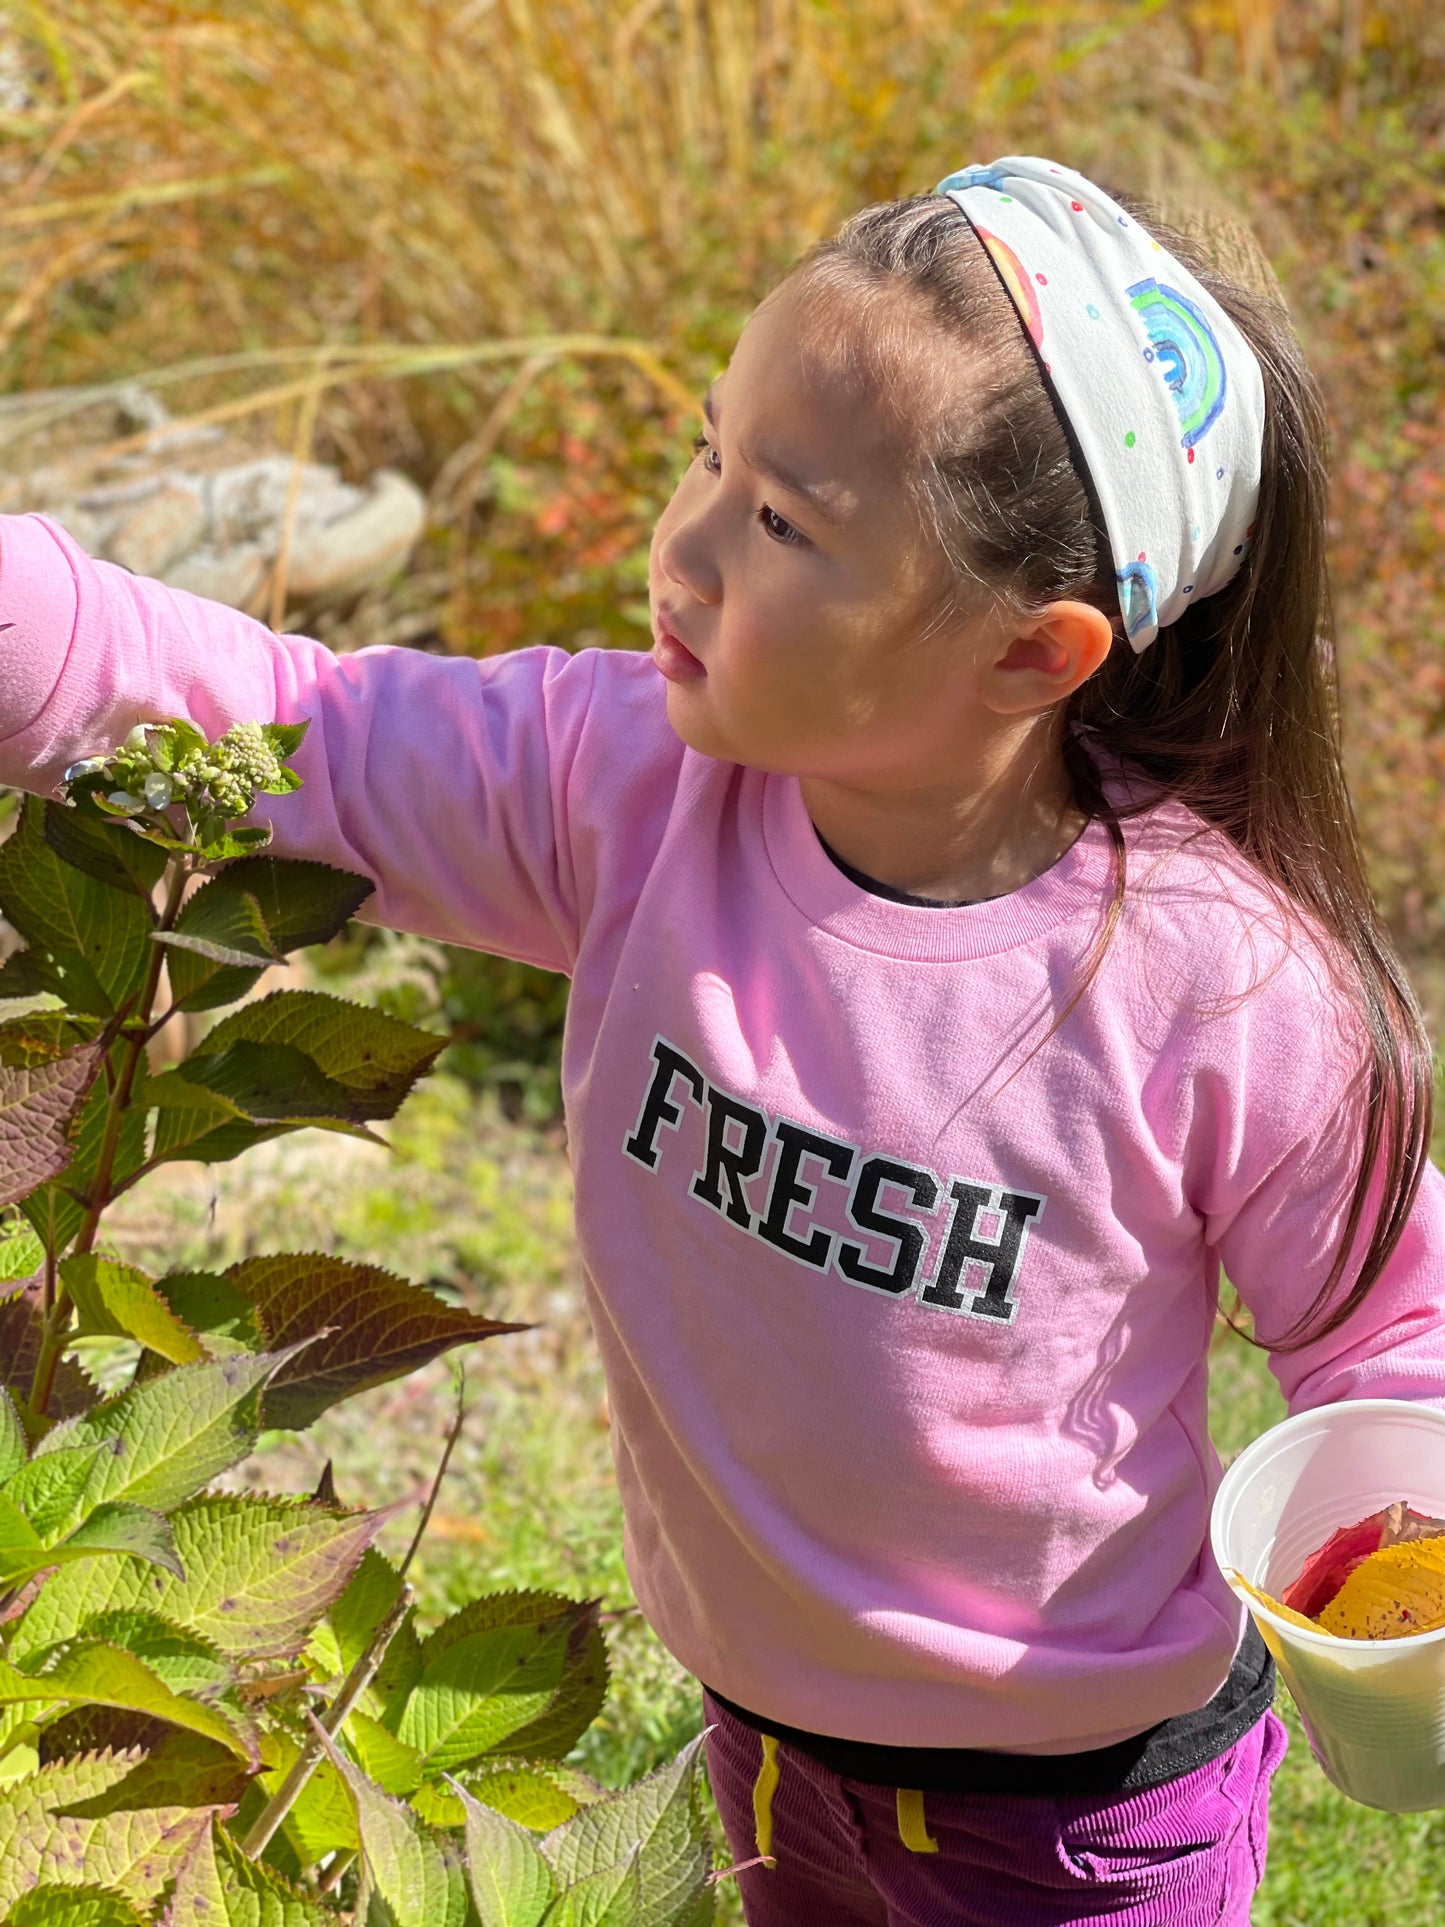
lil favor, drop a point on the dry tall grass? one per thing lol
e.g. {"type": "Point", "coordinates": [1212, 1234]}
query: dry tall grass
{"type": "Point", "coordinates": [504, 244]}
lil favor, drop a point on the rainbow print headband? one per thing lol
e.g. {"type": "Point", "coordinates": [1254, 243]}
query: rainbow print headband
{"type": "Point", "coordinates": [1163, 393]}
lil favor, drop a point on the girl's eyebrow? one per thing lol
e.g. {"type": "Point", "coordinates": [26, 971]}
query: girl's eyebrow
{"type": "Point", "coordinates": [823, 496]}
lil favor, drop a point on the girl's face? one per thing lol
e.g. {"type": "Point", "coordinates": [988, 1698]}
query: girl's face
{"type": "Point", "coordinates": [788, 578]}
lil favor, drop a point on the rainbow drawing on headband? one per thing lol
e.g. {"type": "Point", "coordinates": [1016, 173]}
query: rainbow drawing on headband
{"type": "Point", "coordinates": [1015, 278]}
{"type": "Point", "coordinates": [1138, 596]}
{"type": "Point", "coordinates": [1187, 354]}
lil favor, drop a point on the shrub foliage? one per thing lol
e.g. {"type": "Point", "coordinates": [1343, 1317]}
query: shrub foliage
{"type": "Point", "coordinates": [218, 1706]}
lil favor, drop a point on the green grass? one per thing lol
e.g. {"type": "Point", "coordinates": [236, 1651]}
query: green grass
{"type": "Point", "coordinates": [481, 1207]}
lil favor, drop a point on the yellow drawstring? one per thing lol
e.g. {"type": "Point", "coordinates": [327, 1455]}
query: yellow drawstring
{"type": "Point", "coordinates": [912, 1828]}
{"type": "Point", "coordinates": [763, 1787]}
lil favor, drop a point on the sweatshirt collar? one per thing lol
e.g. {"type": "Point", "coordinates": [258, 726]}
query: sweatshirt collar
{"type": "Point", "coordinates": [1081, 881]}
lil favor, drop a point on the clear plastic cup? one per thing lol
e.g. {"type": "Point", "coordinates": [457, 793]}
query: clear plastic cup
{"type": "Point", "coordinates": [1374, 1709]}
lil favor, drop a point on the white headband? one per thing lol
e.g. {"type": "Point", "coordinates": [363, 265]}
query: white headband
{"type": "Point", "coordinates": [1160, 388]}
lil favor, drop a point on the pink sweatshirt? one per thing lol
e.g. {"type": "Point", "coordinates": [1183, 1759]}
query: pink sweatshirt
{"type": "Point", "coordinates": [904, 1326]}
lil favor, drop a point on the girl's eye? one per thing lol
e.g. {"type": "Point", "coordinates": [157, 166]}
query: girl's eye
{"type": "Point", "coordinates": [779, 528]}
{"type": "Point", "coordinates": [771, 521]}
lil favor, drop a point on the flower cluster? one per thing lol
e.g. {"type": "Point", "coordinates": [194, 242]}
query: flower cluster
{"type": "Point", "coordinates": [160, 764]}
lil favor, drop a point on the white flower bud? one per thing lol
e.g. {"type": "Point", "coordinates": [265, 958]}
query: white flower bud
{"type": "Point", "coordinates": [123, 800]}
{"type": "Point", "coordinates": [158, 789]}
{"type": "Point", "coordinates": [137, 737]}
{"type": "Point", "coordinates": [85, 767]}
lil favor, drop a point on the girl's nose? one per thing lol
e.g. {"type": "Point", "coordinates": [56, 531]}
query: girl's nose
{"type": "Point", "coordinates": [685, 552]}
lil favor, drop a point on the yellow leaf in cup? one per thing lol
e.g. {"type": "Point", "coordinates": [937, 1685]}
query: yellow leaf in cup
{"type": "Point", "coordinates": [1275, 1606]}
{"type": "Point", "coordinates": [1397, 1591]}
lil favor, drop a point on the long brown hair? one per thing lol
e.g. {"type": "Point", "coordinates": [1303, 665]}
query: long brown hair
{"type": "Point", "coordinates": [1234, 709]}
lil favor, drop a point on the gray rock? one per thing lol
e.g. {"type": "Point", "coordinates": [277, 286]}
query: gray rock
{"type": "Point", "coordinates": [204, 511]}
{"type": "Point", "coordinates": [159, 531]}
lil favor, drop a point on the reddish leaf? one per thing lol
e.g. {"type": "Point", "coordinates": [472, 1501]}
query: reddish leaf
{"type": "Point", "coordinates": [1332, 1565]}
{"type": "Point", "coordinates": [21, 1327]}
{"type": "Point", "coordinates": [40, 1102]}
{"type": "Point", "coordinates": [382, 1327]}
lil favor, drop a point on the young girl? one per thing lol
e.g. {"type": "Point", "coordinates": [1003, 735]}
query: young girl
{"type": "Point", "coordinates": [970, 954]}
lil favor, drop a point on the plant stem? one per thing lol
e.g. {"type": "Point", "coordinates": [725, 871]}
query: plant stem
{"type": "Point", "coordinates": [452, 1436]}
{"type": "Point", "coordinates": [57, 1320]}
{"type": "Point", "coordinates": [309, 1758]}
{"type": "Point", "coordinates": [47, 1289]}
{"type": "Point", "coordinates": [332, 1878]}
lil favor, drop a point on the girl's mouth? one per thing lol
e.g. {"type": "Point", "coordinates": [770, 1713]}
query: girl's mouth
{"type": "Point", "coordinates": [674, 659]}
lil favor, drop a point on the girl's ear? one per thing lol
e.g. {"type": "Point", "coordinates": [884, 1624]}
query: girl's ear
{"type": "Point", "coordinates": [1048, 658]}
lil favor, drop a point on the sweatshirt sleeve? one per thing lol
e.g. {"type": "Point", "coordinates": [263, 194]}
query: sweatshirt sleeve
{"type": "Point", "coordinates": [472, 793]}
{"type": "Point", "coordinates": [1284, 1148]}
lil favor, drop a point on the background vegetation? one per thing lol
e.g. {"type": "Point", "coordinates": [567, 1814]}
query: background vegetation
{"type": "Point", "coordinates": [503, 246]}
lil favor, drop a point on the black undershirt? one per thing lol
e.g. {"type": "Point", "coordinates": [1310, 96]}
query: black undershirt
{"type": "Point", "coordinates": [1160, 1753]}
{"type": "Point", "coordinates": [877, 889]}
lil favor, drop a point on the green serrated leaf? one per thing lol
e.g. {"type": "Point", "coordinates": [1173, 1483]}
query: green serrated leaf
{"type": "Point", "coordinates": [405, 1867]}
{"type": "Point", "coordinates": [513, 1727]}
{"type": "Point", "coordinates": [219, 935]}
{"type": "Point", "coordinates": [281, 784]}
{"type": "Point", "coordinates": [197, 984]}
{"type": "Point", "coordinates": [368, 1325]}
{"type": "Point", "coordinates": [169, 1090]}
{"type": "Point", "coordinates": [375, 1058]}
{"type": "Point", "coordinates": [181, 1658]}
{"type": "Point", "coordinates": [511, 1882]}
{"type": "Point", "coordinates": [120, 1299]}
{"type": "Point", "coordinates": [84, 837]}
{"type": "Point", "coordinates": [231, 843]}
{"type": "Point", "coordinates": [382, 1757]}
{"type": "Point", "coordinates": [49, 1489]}
{"type": "Point", "coordinates": [55, 1906]}
{"type": "Point", "coordinates": [25, 974]}
{"type": "Point", "coordinates": [537, 1795]}
{"type": "Point", "coordinates": [98, 1673]}
{"type": "Point", "coordinates": [177, 1768]}
{"type": "Point", "coordinates": [165, 1438]}
{"type": "Point", "coordinates": [40, 1109]}
{"type": "Point", "coordinates": [660, 1820]}
{"type": "Point", "coordinates": [300, 902]}
{"type": "Point", "coordinates": [198, 1134]}
{"type": "Point", "coordinates": [258, 1572]}
{"type": "Point", "coordinates": [220, 1887]}
{"type": "Point", "coordinates": [284, 739]}
{"type": "Point", "coordinates": [188, 739]}
{"type": "Point", "coordinates": [21, 1252]}
{"type": "Point", "coordinates": [270, 1083]}
{"type": "Point", "coordinates": [225, 929]}
{"type": "Point", "coordinates": [211, 1306]}
{"type": "Point", "coordinates": [14, 1447]}
{"type": "Point", "coordinates": [22, 1553]}
{"type": "Point", "coordinates": [133, 1852]}
{"type": "Point", "coordinates": [356, 1613]}
{"type": "Point", "coordinates": [120, 1527]}
{"type": "Point", "coordinates": [95, 939]}
{"type": "Point", "coordinates": [611, 1897]}
{"type": "Point", "coordinates": [488, 1672]}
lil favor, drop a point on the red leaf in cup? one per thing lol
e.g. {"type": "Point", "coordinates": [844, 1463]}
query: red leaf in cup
{"type": "Point", "coordinates": [1332, 1565]}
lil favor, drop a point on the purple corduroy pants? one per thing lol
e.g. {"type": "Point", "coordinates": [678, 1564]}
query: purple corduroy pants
{"type": "Point", "coordinates": [1189, 1853]}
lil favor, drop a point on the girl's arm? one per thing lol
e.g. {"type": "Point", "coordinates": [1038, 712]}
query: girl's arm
{"type": "Point", "coordinates": [1285, 1156]}
{"type": "Point", "coordinates": [468, 791]}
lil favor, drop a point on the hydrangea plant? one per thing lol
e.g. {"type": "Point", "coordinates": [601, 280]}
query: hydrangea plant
{"type": "Point", "coordinates": [220, 1707]}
